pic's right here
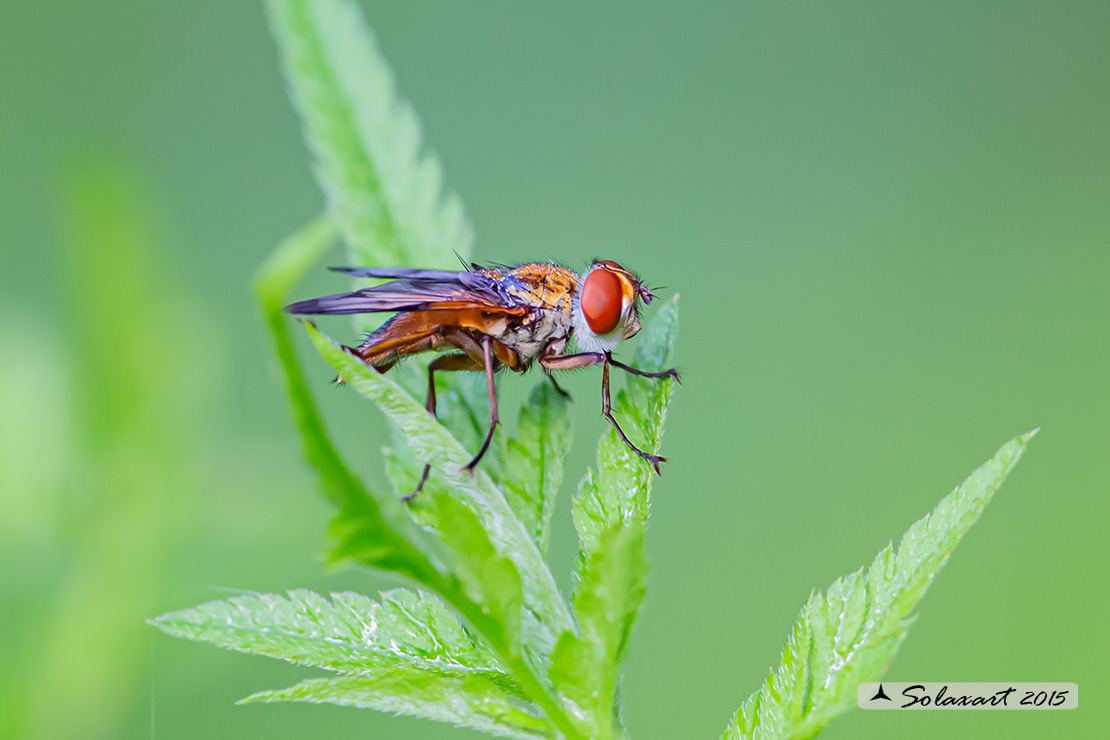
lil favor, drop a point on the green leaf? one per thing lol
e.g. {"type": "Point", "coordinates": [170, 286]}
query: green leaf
{"type": "Point", "coordinates": [464, 700]}
{"type": "Point", "coordinates": [849, 635]}
{"type": "Point", "coordinates": [382, 192]}
{"type": "Point", "coordinates": [371, 527]}
{"type": "Point", "coordinates": [535, 457]}
{"type": "Point", "coordinates": [405, 653]}
{"type": "Point", "coordinates": [351, 633]}
{"type": "Point", "coordinates": [487, 577]}
{"type": "Point", "coordinates": [546, 614]}
{"type": "Point", "coordinates": [620, 489]}
{"type": "Point", "coordinates": [585, 666]}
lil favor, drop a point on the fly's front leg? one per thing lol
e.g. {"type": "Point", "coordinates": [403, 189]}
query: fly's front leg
{"type": "Point", "coordinates": [586, 359]}
{"type": "Point", "coordinates": [487, 357]}
{"type": "Point", "coordinates": [606, 411]}
{"type": "Point", "coordinates": [672, 373]}
{"type": "Point", "coordinates": [571, 362]}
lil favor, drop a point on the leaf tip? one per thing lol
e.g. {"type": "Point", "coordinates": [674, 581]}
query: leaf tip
{"type": "Point", "coordinates": [310, 327]}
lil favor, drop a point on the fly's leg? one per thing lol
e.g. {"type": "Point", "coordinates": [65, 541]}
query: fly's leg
{"type": "Point", "coordinates": [608, 414]}
{"type": "Point", "coordinates": [572, 362]}
{"type": "Point", "coordinates": [446, 363]}
{"type": "Point", "coordinates": [672, 373]}
{"type": "Point", "coordinates": [558, 388]}
{"type": "Point", "coordinates": [430, 405]}
{"type": "Point", "coordinates": [586, 359]}
{"type": "Point", "coordinates": [487, 357]}
{"type": "Point", "coordinates": [382, 367]}
{"type": "Point", "coordinates": [551, 361]}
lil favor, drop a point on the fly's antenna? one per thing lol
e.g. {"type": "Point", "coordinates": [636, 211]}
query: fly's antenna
{"type": "Point", "coordinates": [647, 292]}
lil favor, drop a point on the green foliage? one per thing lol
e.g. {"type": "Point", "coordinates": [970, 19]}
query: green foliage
{"type": "Point", "coordinates": [466, 700]}
{"type": "Point", "coordinates": [405, 653]}
{"type": "Point", "coordinates": [371, 528]}
{"type": "Point", "coordinates": [351, 633]}
{"type": "Point", "coordinates": [492, 644]}
{"type": "Point", "coordinates": [383, 193]}
{"type": "Point", "coordinates": [483, 561]}
{"type": "Point", "coordinates": [620, 489]}
{"type": "Point", "coordinates": [546, 614]}
{"type": "Point", "coordinates": [585, 666]}
{"type": "Point", "coordinates": [487, 577]}
{"type": "Point", "coordinates": [850, 635]}
{"type": "Point", "coordinates": [534, 468]}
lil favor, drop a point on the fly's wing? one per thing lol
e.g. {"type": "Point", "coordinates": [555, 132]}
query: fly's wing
{"type": "Point", "coordinates": [415, 290]}
{"type": "Point", "coordinates": [395, 273]}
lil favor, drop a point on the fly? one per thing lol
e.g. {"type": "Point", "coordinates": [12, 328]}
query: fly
{"type": "Point", "coordinates": [489, 318]}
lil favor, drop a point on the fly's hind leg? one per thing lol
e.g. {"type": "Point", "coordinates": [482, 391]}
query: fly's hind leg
{"type": "Point", "coordinates": [454, 362]}
{"type": "Point", "coordinates": [382, 366]}
{"type": "Point", "coordinates": [489, 362]}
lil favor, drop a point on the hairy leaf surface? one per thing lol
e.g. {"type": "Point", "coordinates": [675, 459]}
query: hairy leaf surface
{"type": "Point", "coordinates": [466, 700]}
{"type": "Point", "coordinates": [383, 192]}
{"type": "Point", "coordinates": [405, 653]}
{"type": "Point", "coordinates": [350, 633]}
{"type": "Point", "coordinates": [849, 635]}
{"type": "Point", "coordinates": [586, 666]}
{"type": "Point", "coordinates": [487, 577]}
{"type": "Point", "coordinates": [534, 459]}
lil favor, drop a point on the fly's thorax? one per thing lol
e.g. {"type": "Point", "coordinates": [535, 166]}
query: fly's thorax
{"type": "Point", "coordinates": [548, 291]}
{"type": "Point", "coordinates": [547, 287]}
{"type": "Point", "coordinates": [530, 334]}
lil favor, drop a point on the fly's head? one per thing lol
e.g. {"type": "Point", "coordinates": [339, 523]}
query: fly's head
{"type": "Point", "coordinates": [607, 306]}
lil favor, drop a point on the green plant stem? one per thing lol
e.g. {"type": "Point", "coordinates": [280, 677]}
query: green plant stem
{"type": "Point", "coordinates": [282, 270]}
{"type": "Point", "coordinates": [515, 663]}
{"type": "Point", "coordinates": [532, 686]}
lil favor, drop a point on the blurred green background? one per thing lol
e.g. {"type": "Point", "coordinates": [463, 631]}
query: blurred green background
{"type": "Point", "coordinates": [889, 225]}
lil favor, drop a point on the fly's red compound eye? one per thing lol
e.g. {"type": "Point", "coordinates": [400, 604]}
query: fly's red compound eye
{"type": "Point", "coordinates": [601, 301]}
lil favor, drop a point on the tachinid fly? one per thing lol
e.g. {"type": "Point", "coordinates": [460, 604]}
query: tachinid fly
{"type": "Point", "coordinates": [488, 318]}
